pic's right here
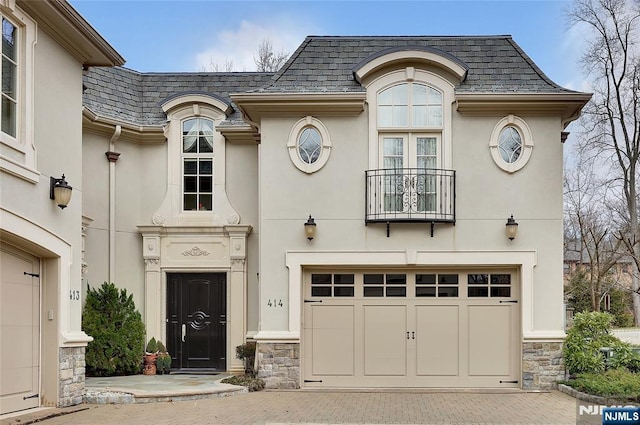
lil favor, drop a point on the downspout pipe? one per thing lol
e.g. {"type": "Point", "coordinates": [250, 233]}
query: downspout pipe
{"type": "Point", "coordinates": [112, 157]}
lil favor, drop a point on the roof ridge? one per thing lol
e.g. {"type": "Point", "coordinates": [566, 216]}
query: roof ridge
{"type": "Point", "coordinates": [497, 36]}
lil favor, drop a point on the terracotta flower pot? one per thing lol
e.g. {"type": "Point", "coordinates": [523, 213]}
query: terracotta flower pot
{"type": "Point", "coordinates": [150, 363]}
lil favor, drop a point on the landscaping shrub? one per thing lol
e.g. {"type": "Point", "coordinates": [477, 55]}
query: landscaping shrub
{"type": "Point", "coordinates": [252, 383]}
{"type": "Point", "coordinates": [624, 357]}
{"type": "Point", "coordinates": [111, 318]}
{"type": "Point", "coordinates": [589, 333]}
{"type": "Point", "coordinates": [619, 384]}
{"type": "Point", "coordinates": [247, 353]}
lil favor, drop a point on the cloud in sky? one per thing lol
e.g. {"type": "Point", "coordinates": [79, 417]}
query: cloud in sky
{"type": "Point", "coordinates": [574, 43]}
{"type": "Point", "coordinates": [240, 45]}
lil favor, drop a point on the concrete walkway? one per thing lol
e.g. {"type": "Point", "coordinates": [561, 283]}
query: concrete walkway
{"type": "Point", "coordinates": [157, 388]}
{"type": "Point", "coordinates": [338, 407]}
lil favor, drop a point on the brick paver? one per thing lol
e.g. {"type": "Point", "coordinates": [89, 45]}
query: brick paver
{"type": "Point", "coordinates": [293, 407]}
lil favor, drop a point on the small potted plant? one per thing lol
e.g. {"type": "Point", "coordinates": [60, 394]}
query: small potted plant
{"type": "Point", "coordinates": [150, 357]}
{"type": "Point", "coordinates": [163, 362]}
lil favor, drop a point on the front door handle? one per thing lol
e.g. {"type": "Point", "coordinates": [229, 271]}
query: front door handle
{"type": "Point", "coordinates": [184, 331]}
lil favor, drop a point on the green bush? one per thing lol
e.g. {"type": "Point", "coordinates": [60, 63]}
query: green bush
{"type": "Point", "coordinates": [589, 333]}
{"type": "Point", "coordinates": [619, 384]}
{"type": "Point", "coordinates": [247, 353]}
{"type": "Point", "coordinates": [624, 357]}
{"type": "Point", "coordinates": [111, 318]}
{"type": "Point", "coordinates": [163, 362]}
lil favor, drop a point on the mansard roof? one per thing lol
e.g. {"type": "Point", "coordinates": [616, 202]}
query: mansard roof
{"type": "Point", "coordinates": [136, 98]}
{"type": "Point", "coordinates": [496, 64]}
{"type": "Point", "coordinates": [321, 64]}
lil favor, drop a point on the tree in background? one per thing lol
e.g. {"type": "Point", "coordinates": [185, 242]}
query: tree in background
{"type": "Point", "coordinates": [611, 121]}
{"type": "Point", "coordinates": [267, 60]}
{"type": "Point", "coordinates": [588, 240]}
{"type": "Point", "coordinates": [227, 66]}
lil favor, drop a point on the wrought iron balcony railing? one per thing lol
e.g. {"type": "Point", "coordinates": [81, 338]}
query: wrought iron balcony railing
{"type": "Point", "coordinates": [410, 195]}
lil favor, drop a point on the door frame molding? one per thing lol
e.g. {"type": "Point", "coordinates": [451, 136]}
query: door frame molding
{"type": "Point", "coordinates": [197, 249]}
{"type": "Point", "coordinates": [525, 261]}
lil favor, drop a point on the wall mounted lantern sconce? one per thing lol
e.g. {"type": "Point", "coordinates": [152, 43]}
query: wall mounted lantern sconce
{"type": "Point", "coordinates": [310, 228]}
{"type": "Point", "coordinates": [60, 191]}
{"type": "Point", "coordinates": [511, 228]}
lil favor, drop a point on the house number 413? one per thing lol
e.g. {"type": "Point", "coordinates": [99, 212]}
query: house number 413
{"type": "Point", "coordinates": [274, 303]}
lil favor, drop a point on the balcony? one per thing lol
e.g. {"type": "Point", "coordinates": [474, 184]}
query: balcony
{"type": "Point", "coordinates": [410, 195]}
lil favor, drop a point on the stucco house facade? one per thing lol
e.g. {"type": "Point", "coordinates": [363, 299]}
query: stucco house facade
{"type": "Point", "coordinates": [348, 212]}
{"type": "Point", "coordinates": [406, 156]}
{"type": "Point", "coordinates": [45, 46]}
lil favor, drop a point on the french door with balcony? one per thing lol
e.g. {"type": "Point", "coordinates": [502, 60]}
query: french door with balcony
{"type": "Point", "coordinates": [410, 164]}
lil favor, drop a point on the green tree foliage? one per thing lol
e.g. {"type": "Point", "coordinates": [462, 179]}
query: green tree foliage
{"type": "Point", "coordinates": [111, 318]}
{"type": "Point", "coordinates": [580, 298]}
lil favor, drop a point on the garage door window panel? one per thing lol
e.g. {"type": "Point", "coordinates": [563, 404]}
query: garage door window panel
{"type": "Point", "coordinates": [485, 285]}
{"type": "Point", "coordinates": [332, 285]}
{"type": "Point", "coordinates": [380, 285]}
{"type": "Point", "coordinates": [432, 285]}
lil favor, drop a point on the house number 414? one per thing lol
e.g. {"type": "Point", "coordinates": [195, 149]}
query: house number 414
{"type": "Point", "coordinates": [274, 303]}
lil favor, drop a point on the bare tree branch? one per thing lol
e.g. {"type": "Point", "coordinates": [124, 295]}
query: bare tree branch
{"type": "Point", "coordinates": [611, 122]}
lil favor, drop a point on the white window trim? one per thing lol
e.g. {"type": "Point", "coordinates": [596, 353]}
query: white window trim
{"type": "Point", "coordinates": [170, 212]}
{"type": "Point", "coordinates": [292, 145]}
{"type": "Point", "coordinates": [420, 76]}
{"type": "Point", "coordinates": [527, 143]}
{"type": "Point", "coordinates": [18, 154]}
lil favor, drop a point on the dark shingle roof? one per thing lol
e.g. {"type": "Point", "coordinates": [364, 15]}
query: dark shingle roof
{"type": "Point", "coordinates": [496, 64]}
{"type": "Point", "coordinates": [136, 98]}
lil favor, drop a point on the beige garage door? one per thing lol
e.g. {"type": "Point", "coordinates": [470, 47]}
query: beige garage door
{"type": "Point", "coordinates": [19, 330]}
{"type": "Point", "coordinates": [416, 328]}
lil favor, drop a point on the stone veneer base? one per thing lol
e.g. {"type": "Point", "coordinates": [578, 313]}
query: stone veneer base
{"type": "Point", "coordinates": [72, 373]}
{"type": "Point", "coordinates": [542, 365]}
{"type": "Point", "coordinates": [279, 364]}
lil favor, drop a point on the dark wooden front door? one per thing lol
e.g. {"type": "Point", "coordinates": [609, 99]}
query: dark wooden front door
{"type": "Point", "coordinates": [196, 320]}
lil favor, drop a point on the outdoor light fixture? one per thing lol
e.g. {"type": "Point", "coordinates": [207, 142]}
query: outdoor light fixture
{"type": "Point", "coordinates": [60, 191]}
{"type": "Point", "coordinates": [511, 228]}
{"type": "Point", "coordinates": [310, 228]}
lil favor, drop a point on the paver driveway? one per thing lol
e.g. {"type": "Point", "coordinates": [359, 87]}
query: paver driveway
{"type": "Point", "coordinates": [290, 407]}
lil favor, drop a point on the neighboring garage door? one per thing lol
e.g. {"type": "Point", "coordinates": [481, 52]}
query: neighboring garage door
{"type": "Point", "coordinates": [19, 330]}
{"type": "Point", "coordinates": [416, 328]}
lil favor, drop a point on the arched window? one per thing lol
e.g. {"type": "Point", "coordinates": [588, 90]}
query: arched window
{"type": "Point", "coordinates": [410, 105]}
{"type": "Point", "coordinates": [197, 164]}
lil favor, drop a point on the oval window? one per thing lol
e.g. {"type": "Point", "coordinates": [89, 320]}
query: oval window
{"type": "Point", "coordinates": [510, 144]}
{"type": "Point", "coordinates": [309, 145]}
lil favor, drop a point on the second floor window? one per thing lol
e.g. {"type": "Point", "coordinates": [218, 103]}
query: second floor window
{"type": "Point", "coordinates": [197, 164]}
{"type": "Point", "coordinates": [409, 124]}
{"type": "Point", "coordinates": [9, 102]}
